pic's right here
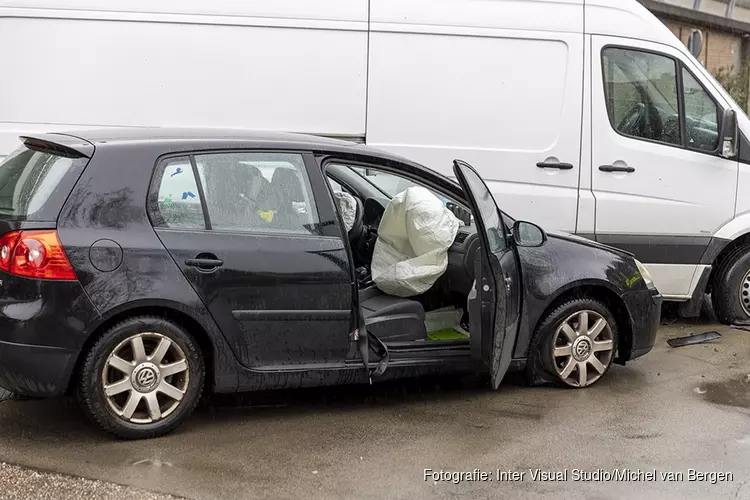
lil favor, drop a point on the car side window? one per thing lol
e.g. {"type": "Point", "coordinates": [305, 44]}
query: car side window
{"type": "Point", "coordinates": [641, 92]}
{"type": "Point", "coordinates": [258, 192]}
{"type": "Point", "coordinates": [176, 202]}
{"type": "Point", "coordinates": [701, 115]}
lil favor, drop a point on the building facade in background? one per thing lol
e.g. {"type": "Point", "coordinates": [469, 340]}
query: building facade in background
{"type": "Point", "coordinates": [720, 32]}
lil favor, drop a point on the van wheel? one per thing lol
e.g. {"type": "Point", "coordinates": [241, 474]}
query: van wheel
{"type": "Point", "coordinates": [573, 346]}
{"type": "Point", "coordinates": [731, 287]}
{"type": "Point", "coordinates": [142, 378]}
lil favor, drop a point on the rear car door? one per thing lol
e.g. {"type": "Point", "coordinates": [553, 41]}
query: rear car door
{"type": "Point", "coordinates": [256, 235]}
{"type": "Point", "coordinates": [498, 286]}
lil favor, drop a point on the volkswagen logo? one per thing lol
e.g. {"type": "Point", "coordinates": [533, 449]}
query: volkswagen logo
{"type": "Point", "coordinates": [581, 348]}
{"type": "Point", "coordinates": [145, 377]}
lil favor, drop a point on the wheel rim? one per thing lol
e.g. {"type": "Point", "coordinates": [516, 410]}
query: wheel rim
{"type": "Point", "coordinates": [744, 293]}
{"type": "Point", "coordinates": [582, 348]}
{"type": "Point", "coordinates": [145, 378]}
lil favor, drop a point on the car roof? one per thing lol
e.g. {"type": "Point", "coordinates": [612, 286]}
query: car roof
{"type": "Point", "coordinates": [173, 140]}
{"type": "Point", "coordinates": [171, 134]}
{"type": "Point", "coordinates": [177, 138]}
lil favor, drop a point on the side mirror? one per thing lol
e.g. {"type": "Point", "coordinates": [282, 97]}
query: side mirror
{"type": "Point", "coordinates": [729, 134]}
{"type": "Point", "coordinates": [527, 234]}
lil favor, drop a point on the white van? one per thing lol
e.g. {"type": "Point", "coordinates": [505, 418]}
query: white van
{"type": "Point", "coordinates": [586, 116]}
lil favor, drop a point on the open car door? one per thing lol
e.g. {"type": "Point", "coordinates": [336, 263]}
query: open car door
{"type": "Point", "coordinates": [495, 302]}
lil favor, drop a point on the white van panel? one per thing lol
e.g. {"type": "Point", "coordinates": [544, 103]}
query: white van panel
{"type": "Point", "coordinates": [501, 103]}
{"type": "Point", "coordinates": [674, 281]}
{"type": "Point", "coordinates": [106, 73]}
{"type": "Point", "coordinates": [625, 18]}
{"type": "Point", "coordinates": [586, 217]}
{"type": "Point", "coordinates": [739, 225]}
{"type": "Point", "coordinates": [337, 10]}
{"type": "Point", "coordinates": [538, 15]}
{"type": "Point", "coordinates": [673, 191]}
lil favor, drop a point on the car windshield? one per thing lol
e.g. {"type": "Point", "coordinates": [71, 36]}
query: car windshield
{"type": "Point", "coordinates": [390, 185]}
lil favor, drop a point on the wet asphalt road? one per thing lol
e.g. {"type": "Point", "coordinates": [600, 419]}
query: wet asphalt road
{"type": "Point", "coordinates": [674, 410]}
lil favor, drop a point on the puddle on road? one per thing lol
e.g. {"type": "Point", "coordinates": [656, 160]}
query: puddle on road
{"type": "Point", "coordinates": [734, 392]}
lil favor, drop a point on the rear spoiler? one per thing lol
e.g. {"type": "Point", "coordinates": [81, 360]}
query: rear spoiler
{"type": "Point", "coordinates": [67, 146]}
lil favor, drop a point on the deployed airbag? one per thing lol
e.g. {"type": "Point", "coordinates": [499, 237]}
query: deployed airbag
{"type": "Point", "coordinates": [414, 236]}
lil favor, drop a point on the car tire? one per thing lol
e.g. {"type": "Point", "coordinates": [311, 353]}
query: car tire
{"type": "Point", "coordinates": [142, 378]}
{"type": "Point", "coordinates": [557, 356]}
{"type": "Point", "coordinates": [731, 287]}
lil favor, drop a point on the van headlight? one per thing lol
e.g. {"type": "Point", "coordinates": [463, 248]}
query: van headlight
{"type": "Point", "coordinates": [647, 279]}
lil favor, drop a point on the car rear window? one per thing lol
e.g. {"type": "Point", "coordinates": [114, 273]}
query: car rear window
{"type": "Point", "coordinates": [34, 183]}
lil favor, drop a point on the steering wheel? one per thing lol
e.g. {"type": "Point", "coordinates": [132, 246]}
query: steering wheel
{"type": "Point", "coordinates": [633, 119]}
{"type": "Point", "coordinates": [356, 231]}
{"type": "Point", "coordinates": [644, 121]}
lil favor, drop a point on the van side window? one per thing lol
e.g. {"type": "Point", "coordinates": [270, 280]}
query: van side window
{"type": "Point", "coordinates": [701, 115]}
{"type": "Point", "coordinates": [641, 93]}
{"type": "Point", "coordinates": [175, 200]}
{"type": "Point", "coordinates": [258, 192]}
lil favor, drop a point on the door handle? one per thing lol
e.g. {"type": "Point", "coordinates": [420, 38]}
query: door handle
{"type": "Point", "coordinates": [204, 263]}
{"type": "Point", "coordinates": [557, 165]}
{"type": "Point", "coordinates": [613, 168]}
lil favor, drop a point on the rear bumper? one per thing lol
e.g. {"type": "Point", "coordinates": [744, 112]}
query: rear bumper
{"type": "Point", "coordinates": [36, 371]}
{"type": "Point", "coordinates": [43, 327]}
{"type": "Point", "coordinates": [644, 307]}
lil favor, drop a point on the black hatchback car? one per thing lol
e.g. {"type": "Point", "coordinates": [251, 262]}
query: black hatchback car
{"type": "Point", "coordinates": [139, 268]}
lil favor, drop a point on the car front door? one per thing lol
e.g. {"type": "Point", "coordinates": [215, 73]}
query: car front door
{"type": "Point", "coordinates": [256, 235]}
{"type": "Point", "coordinates": [496, 298]}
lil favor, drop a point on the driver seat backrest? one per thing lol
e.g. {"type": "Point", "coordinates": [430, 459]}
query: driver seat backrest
{"type": "Point", "coordinates": [285, 190]}
{"type": "Point", "coordinates": [233, 182]}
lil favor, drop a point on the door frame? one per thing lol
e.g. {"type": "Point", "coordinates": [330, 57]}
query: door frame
{"type": "Point", "coordinates": [490, 307]}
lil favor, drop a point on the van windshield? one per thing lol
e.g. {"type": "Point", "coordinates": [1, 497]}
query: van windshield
{"type": "Point", "coordinates": [34, 184]}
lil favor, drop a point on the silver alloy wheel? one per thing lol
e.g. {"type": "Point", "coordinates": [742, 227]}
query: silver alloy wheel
{"type": "Point", "coordinates": [144, 388]}
{"type": "Point", "coordinates": [583, 340]}
{"type": "Point", "coordinates": [744, 293]}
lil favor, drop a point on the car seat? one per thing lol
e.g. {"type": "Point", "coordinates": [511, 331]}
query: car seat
{"type": "Point", "coordinates": [284, 191]}
{"type": "Point", "coordinates": [392, 319]}
{"type": "Point", "coordinates": [234, 192]}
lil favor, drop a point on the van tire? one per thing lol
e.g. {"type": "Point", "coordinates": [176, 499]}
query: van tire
{"type": "Point", "coordinates": [540, 366]}
{"type": "Point", "coordinates": [728, 284]}
{"type": "Point", "coordinates": [101, 409]}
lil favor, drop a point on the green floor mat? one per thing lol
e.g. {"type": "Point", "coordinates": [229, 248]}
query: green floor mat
{"type": "Point", "coordinates": [447, 334]}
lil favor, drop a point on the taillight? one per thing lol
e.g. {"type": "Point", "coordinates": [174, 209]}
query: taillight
{"type": "Point", "coordinates": [35, 254]}
{"type": "Point", "coordinates": [7, 245]}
